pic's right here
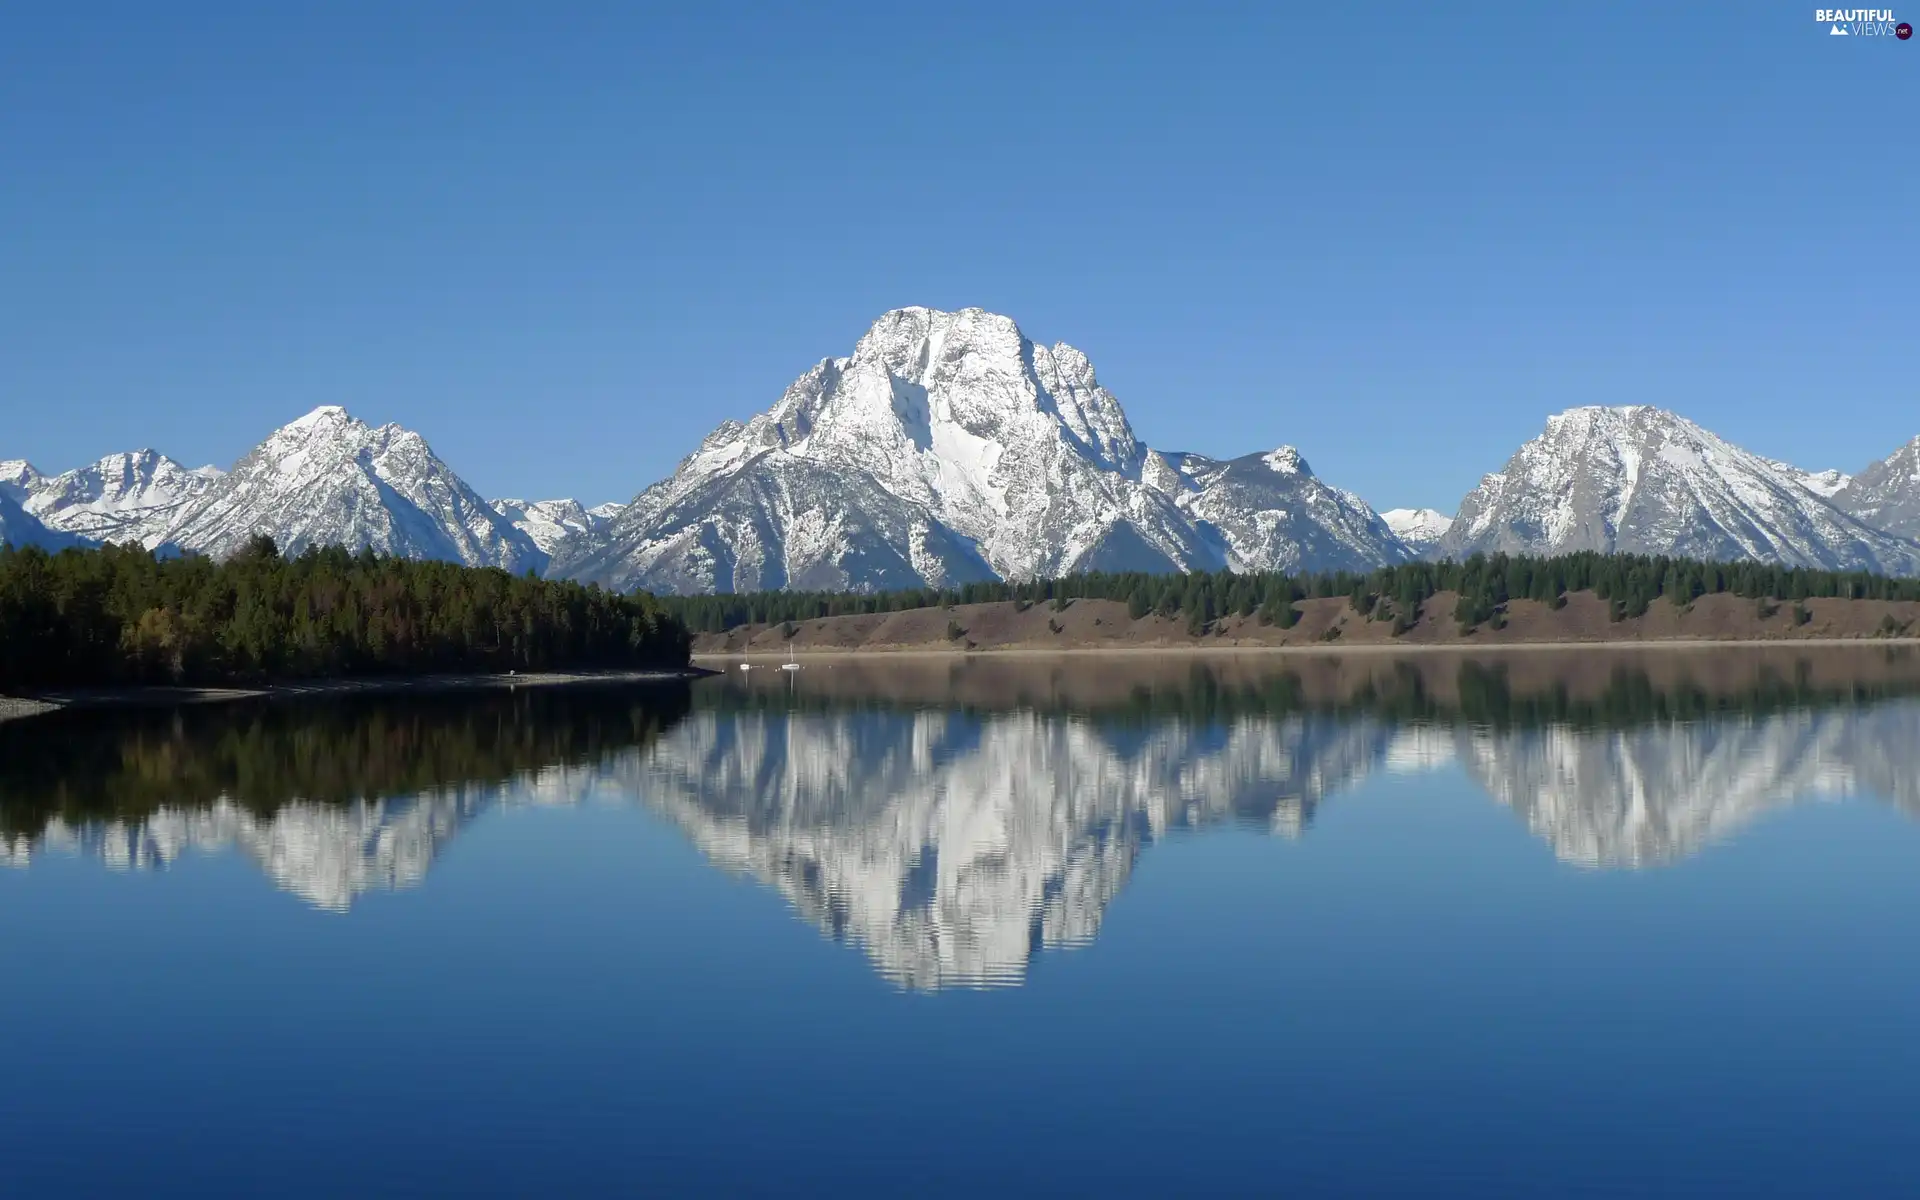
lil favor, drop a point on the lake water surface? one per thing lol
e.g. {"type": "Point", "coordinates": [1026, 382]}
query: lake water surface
{"type": "Point", "coordinates": [1530, 924]}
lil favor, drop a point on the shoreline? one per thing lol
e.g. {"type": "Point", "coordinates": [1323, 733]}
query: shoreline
{"type": "Point", "coordinates": [1319, 650]}
{"type": "Point", "coordinates": [1326, 626]}
{"type": "Point", "coordinates": [47, 700]}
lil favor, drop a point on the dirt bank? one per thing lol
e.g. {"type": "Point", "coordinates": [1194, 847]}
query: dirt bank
{"type": "Point", "coordinates": [1332, 623]}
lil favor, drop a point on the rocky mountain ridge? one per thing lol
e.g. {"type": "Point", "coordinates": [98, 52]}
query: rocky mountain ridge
{"type": "Point", "coordinates": [948, 448]}
{"type": "Point", "coordinates": [1642, 480]}
{"type": "Point", "coordinates": [130, 497]}
{"type": "Point", "coordinates": [1419, 528]}
{"type": "Point", "coordinates": [547, 523]}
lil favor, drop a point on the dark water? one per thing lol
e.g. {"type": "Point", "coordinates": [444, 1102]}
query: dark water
{"type": "Point", "coordinates": [1535, 926]}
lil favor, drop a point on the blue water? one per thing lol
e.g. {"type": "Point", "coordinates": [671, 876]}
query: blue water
{"type": "Point", "coordinates": [1414, 990]}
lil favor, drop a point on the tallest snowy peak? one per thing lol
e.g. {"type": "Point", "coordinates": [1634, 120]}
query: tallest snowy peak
{"type": "Point", "coordinates": [325, 415]}
{"type": "Point", "coordinates": [950, 446]}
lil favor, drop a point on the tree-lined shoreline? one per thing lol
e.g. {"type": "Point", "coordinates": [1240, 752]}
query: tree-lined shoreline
{"type": "Point", "coordinates": [118, 616]}
{"type": "Point", "coordinates": [1482, 587]}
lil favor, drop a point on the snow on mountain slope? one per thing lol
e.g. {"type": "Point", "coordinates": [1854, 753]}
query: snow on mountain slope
{"type": "Point", "coordinates": [18, 477]}
{"type": "Point", "coordinates": [985, 445]}
{"type": "Point", "coordinates": [787, 522]}
{"type": "Point", "coordinates": [134, 497]}
{"type": "Point", "coordinates": [1642, 480]}
{"type": "Point", "coordinates": [1273, 514]}
{"type": "Point", "coordinates": [1821, 483]}
{"type": "Point", "coordinates": [1887, 494]}
{"type": "Point", "coordinates": [1419, 528]}
{"type": "Point", "coordinates": [328, 479]}
{"type": "Point", "coordinates": [20, 528]}
{"type": "Point", "coordinates": [548, 522]}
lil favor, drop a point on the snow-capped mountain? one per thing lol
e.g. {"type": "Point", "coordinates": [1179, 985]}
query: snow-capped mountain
{"type": "Point", "coordinates": [1821, 483]}
{"type": "Point", "coordinates": [134, 497]}
{"type": "Point", "coordinates": [1887, 494]}
{"type": "Point", "coordinates": [548, 522]}
{"type": "Point", "coordinates": [20, 528]}
{"type": "Point", "coordinates": [328, 479]}
{"type": "Point", "coordinates": [1642, 480]}
{"type": "Point", "coordinates": [17, 479]}
{"type": "Point", "coordinates": [1273, 513]}
{"type": "Point", "coordinates": [1419, 528]}
{"type": "Point", "coordinates": [950, 447]}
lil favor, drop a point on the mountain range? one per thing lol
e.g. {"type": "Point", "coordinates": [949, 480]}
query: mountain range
{"type": "Point", "coordinates": [948, 448]}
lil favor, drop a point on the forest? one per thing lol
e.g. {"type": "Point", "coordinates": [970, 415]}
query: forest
{"type": "Point", "coordinates": [1482, 584]}
{"type": "Point", "coordinates": [118, 615]}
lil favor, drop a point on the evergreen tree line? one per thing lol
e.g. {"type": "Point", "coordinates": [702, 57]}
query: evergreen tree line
{"type": "Point", "coordinates": [1483, 585]}
{"type": "Point", "coordinates": [117, 615]}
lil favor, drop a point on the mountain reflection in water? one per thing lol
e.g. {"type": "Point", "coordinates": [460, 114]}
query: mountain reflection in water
{"type": "Point", "coordinates": [952, 817]}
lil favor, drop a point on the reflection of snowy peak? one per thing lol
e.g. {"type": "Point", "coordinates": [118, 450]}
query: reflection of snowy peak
{"type": "Point", "coordinates": [1644, 796]}
{"type": "Point", "coordinates": [949, 447]}
{"type": "Point", "coordinates": [1644, 481]}
{"type": "Point", "coordinates": [327, 854]}
{"type": "Point", "coordinates": [952, 847]}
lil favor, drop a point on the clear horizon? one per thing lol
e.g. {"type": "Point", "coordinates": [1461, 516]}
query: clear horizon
{"type": "Point", "coordinates": [565, 250]}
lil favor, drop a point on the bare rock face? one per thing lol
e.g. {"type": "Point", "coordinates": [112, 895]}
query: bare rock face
{"type": "Point", "coordinates": [949, 447]}
{"type": "Point", "coordinates": [1642, 480]}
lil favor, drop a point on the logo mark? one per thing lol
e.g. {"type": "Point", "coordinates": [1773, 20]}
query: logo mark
{"type": "Point", "coordinates": [1862, 22]}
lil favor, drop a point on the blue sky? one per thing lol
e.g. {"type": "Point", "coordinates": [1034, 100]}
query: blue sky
{"type": "Point", "coordinates": [565, 241]}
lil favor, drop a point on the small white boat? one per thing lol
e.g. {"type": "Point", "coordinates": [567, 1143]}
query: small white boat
{"type": "Point", "coordinates": [746, 666]}
{"type": "Point", "coordinates": [790, 665]}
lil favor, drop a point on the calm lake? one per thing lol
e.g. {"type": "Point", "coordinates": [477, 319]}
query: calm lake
{"type": "Point", "coordinates": [1536, 924]}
